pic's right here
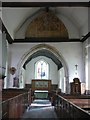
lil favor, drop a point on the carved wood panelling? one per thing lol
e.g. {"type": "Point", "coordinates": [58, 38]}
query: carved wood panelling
{"type": "Point", "coordinates": [47, 24]}
{"type": "Point", "coordinates": [41, 84]}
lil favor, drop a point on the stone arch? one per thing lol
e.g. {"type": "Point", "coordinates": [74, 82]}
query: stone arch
{"type": "Point", "coordinates": [51, 49]}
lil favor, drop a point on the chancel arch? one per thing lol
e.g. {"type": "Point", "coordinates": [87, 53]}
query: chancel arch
{"type": "Point", "coordinates": [44, 49]}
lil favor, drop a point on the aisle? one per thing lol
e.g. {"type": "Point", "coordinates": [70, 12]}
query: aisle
{"type": "Point", "coordinates": [40, 109]}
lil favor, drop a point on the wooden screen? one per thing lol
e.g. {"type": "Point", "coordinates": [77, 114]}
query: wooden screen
{"type": "Point", "coordinates": [38, 84]}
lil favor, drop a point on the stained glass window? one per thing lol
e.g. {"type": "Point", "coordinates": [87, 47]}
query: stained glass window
{"type": "Point", "coordinates": [41, 69]}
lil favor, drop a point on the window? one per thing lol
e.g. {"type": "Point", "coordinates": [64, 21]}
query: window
{"type": "Point", "coordinates": [41, 69]}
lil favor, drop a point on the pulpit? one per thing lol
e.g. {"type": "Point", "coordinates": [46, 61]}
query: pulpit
{"type": "Point", "coordinates": [75, 87]}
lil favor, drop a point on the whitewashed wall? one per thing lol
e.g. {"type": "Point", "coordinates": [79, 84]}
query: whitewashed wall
{"type": "Point", "coordinates": [5, 59]}
{"type": "Point", "coordinates": [71, 52]}
{"type": "Point", "coordinates": [4, 51]}
{"type": "Point", "coordinates": [30, 71]}
{"type": "Point", "coordinates": [89, 69]}
{"type": "Point", "coordinates": [86, 49]}
{"type": "Point", "coordinates": [62, 84]}
{"type": "Point", "coordinates": [1, 54]}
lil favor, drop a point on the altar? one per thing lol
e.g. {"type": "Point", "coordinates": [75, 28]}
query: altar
{"type": "Point", "coordinates": [41, 94]}
{"type": "Point", "coordinates": [41, 88]}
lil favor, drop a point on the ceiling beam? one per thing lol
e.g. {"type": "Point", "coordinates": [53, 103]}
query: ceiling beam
{"type": "Point", "coordinates": [34, 39]}
{"type": "Point", "coordinates": [45, 4]}
{"type": "Point", "coordinates": [49, 39]}
{"type": "Point", "coordinates": [85, 37]}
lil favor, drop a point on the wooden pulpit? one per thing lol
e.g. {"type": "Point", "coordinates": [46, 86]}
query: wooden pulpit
{"type": "Point", "coordinates": [75, 87]}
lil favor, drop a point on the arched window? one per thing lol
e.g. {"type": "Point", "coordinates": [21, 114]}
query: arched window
{"type": "Point", "coordinates": [41, 69]}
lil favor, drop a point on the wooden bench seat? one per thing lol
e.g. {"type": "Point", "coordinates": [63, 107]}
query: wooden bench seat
{"type": "Point", "coordinates": [83, 103]}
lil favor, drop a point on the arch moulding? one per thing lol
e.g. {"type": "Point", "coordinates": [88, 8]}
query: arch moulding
{"type": "Point", "coordinates": [51, 49]}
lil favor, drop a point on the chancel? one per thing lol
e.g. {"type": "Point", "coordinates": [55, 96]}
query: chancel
{"type": "Point", "coordinates": [44, 68]}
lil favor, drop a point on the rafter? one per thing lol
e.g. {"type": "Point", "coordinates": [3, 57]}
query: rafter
{"type": "Point", "coordinates": [85, 37]}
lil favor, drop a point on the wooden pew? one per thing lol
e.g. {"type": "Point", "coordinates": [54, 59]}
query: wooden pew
{"type": "Point", "coordinates": [82, 101]}
{"type": "Point", "coordinates": [14, 107]}
{"type": "Point", "coordinates": [66, 109]}
{"type": "Point", "coordinates": [12, 92]}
